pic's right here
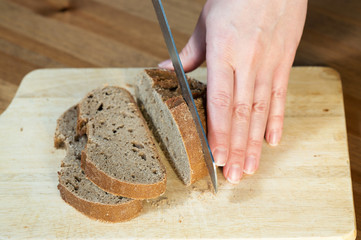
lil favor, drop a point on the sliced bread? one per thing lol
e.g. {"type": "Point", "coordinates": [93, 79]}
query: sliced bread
{"type": "Point", "coordinates": [160, 100]}
{"type": "Point", "coordinates": [120, 156]}
{"type": "Point", "coordinates": [76, 189]}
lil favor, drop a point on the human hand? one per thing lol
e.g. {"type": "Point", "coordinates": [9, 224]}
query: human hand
{"type": "Point", "coordinates": [249, 47]}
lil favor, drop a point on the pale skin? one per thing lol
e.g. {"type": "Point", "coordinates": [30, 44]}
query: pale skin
{"type": "Point", "coordinates": [249, 47]}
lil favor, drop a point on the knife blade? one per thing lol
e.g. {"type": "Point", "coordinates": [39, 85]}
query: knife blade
{"type": "Point", "coordinates": [186, 92]}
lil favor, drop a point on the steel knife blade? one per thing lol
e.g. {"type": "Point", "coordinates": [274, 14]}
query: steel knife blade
{"type": "Point", "coordinates": [186, 92]}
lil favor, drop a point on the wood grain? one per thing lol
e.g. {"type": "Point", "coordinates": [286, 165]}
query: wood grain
{"type": "Point", "coordinates": [302, 189]}
{"type": "Point", "coordinates": [120, 33]}
{"type": "Point", "coordinates": [332, 38]}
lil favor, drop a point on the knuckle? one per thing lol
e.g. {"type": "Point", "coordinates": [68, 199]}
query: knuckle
{"type": "Point", "coordinates": [253, 53]}
{"type": "Point", "coordinates": [258, 39]}
{"type": "Point", "coordinates": [225, 35]}
{"type": "Point", "coordinates": [222, 32]}
{"type": "Point", "coordinates": [221, 49]}
{"type": "Point", "coordinates": [260, 107]}
{"type": "Point", "coordinates": [258, 44]}
{"type": "Point", "coordinates": [279, 93]}
{"type": "Point", "coordinates": [242, 112]}
{"type": "Point", "coordinates": [219, 36]}
{"type": "Point", "coordinates": [221, 43]}
{"type": "Point", "coordinates": [255, 143]}
{"type": "Point", "coordinates": [221, 100]}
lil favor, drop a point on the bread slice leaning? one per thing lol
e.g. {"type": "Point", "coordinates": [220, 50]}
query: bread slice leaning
{"type": "Point", "coordinates": [120, 155]}
{"type": "Point", "coordinates": [160, 100]}
{"type": "Point", "coordinates": [76, 189]}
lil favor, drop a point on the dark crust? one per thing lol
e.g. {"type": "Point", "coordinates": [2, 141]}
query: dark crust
{"type": "Point", "coordinates": [174, 102]}
{"type": "Point", "coordinates": [166, 84]}
{"type": "Point", "coordinates": [103, 212]}
{"type": "Point", "coordinates": [81, 123]}
{"type": "Point", "coordinates": [163, 79]}
{"type": "Point", "coordinates": [58, 143]}
{"type": "Point", "coordinates": [184, 121]}
{"type": "Point", "coordinates": [115, 186]}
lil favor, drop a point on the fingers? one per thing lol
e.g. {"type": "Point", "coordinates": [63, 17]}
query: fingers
{"type": "Point", "coordinates": [278, 100]}
{"type": "Point", "coordinates": [252, 93]}
{"type": "Point", "coordinates": [194, 53]}
{"type": "Point", "coordinates": [260, 107]}
{"type": "Point", "coordinates": [279, 88]}
{"type": "Point", "coordinates": [242, 107]}
{"type": "Point", "coordinates": [219, 106]}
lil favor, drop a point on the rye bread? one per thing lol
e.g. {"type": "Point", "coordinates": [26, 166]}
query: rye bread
{"type": "Point", "coordinates": [120, 155]}
{"type": "Point", "coordinates": [159, 97]}
{"type": "Point", "coordinates": [76, 189]}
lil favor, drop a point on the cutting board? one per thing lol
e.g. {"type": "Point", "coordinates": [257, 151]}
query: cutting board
{"type": "Point", "coordinates": [301, 190]}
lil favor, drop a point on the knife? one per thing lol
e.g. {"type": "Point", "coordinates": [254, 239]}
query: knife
{"type": "Point", "coordinates": [186, 92]}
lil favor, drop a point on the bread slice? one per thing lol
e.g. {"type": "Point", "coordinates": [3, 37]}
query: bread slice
{"type": "Point", "coordinates": [120, 156]}
{"type": "Point", "coordinates": [76, 189]}
{"type": "Point", "coordinates": [160, 100]}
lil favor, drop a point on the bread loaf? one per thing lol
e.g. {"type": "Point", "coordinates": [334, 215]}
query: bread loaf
{"type": "Point", "coordinates": [160, 100]}
{"type": "Point", "coordinates": [76, 189]}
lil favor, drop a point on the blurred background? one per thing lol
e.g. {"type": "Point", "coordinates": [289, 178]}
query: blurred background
{"type": "Point", "coordinates": [121, 33]}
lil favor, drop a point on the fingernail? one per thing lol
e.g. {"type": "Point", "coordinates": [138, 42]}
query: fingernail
{"type": "Point", "coordinates": [165, 64]}
{"type": "Point", "coordinates": [234, 174]}
{"type": "Point", "coordinates": [273, 138]}
{"type": "Point", "coordinates": [220, 156]}
{"type": "Point", "coordinates": [250, 165]}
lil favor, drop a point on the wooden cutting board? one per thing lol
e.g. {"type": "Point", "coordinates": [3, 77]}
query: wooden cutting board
{"type": "Point", "coordinates": [301, 190]}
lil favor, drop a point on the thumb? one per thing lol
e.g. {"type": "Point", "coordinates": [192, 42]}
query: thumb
{"type": "Point", "coordinates": [194, 53]}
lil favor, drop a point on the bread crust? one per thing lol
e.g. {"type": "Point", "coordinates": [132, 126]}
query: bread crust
{"type": "Point", "coordinates": [81, 124]}
{"type": "Point", "coordinates": [99, 211]}
{"type": "Point", "coordinates": [116, 187]}
{"type": "Point", "coordinates": [187, 128]}
{"type": "Point", "coordinates": [103, 212]}
{"type": "Point", "coordinates": [110, 184]}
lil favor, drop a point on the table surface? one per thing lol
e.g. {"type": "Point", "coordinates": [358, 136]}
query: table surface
{"type": "Point", "coordinates": [120, 33]}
